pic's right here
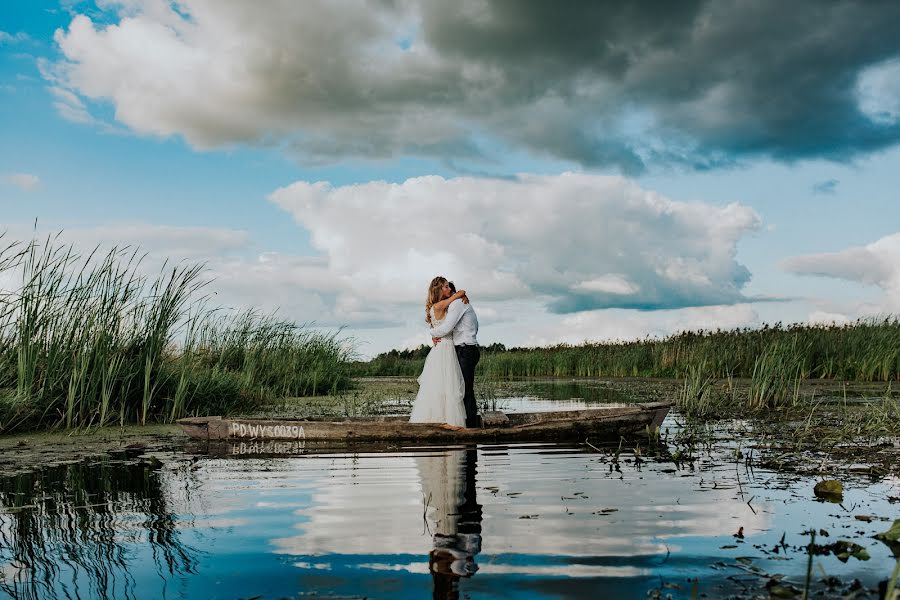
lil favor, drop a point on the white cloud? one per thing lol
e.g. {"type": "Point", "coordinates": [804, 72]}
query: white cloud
{"type": "Point", "coordinates": [70, 107]}
{"type": "Point", "coordinates": [821, 317]}
{"type": "Point", "coordinates": [241, 276]}
{"type": "Point", "coordinates": [572, 242]}
{"type": "Point", "coordinates": [611, 283]}
{"type": "Point", "coordinates": [875, 264]}
{"type": "Point", "coordinates": [269, 71]}
{"type": "Point", "coordinates": [23, 181]}
{"type": "Point", "coordinates": [525, 250]}
{"type": "Point", "coordinates": [599, 84]}
{"type": "Point", "coordinates": [616, 325]}
{"type": "Point", "coordinates": [878, 92]}
{"type": "Point", "coordinates": [178, 242]}
{"type": "Point", "coordinates": [10, 38]}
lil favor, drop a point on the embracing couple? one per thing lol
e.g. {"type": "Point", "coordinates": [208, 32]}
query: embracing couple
{"type": "Point", "coordinates": [447, 383]}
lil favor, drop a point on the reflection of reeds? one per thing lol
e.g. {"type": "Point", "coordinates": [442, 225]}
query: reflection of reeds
{"type": "Point", "coordinates": [867, 350]}
{"type": "Point", "coordinates": [93, 341]}
{"type": "Point", "coordinates": [71, 527]}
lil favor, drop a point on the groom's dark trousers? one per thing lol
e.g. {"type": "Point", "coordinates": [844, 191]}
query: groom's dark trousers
{"type": "Point", "coordinates": [468, 356]}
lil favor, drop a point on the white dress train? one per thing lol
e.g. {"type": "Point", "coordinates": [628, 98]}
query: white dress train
{"type": "Point", "coordinates": [441, 387]}
{"type": "Point", "coordinates": [443, 482]}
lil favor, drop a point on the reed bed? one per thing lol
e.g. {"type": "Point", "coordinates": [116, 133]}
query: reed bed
{"type": "Point", "coordinates": [93, 341]}
{"type": "Point", "coordinates": [774, 356]}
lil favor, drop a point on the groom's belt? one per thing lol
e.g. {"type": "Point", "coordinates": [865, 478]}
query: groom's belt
{"type": "Point", "coordinates": [474, 345]}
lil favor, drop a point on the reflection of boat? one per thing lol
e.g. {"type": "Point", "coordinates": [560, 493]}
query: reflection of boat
{"type": "Point", "coordinates": [608, 423]}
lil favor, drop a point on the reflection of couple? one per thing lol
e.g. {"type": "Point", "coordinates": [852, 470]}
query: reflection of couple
{"type": "Point", "coordinates": [453, 516]}
{"type": "Point", "coordinates": [447, 383]}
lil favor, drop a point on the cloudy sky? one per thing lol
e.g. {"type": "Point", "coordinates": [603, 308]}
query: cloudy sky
{"type": "Point", "coordinates": [588, 170]}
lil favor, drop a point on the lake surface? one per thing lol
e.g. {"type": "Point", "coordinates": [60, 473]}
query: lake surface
{"type": "Point", "coordinates": [480, 522]}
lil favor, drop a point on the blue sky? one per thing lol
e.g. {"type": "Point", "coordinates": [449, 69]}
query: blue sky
{"type": "Point", "coordinates": [197, 130]}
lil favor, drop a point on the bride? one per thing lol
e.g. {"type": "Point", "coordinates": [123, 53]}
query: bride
{"type": "Point", "coordinates": [441, 386]}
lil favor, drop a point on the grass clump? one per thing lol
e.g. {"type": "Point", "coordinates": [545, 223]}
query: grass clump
{"type": "Point", "coordinates": [94, 341]}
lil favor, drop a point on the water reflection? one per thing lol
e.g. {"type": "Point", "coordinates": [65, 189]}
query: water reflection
{"type": "Point", "coordinates": [556, 394]}
{"type": "Point", "coordinates": [503, 520]}
{"type": "Point", "coordinates": [74, 531]}
{"type": "Point", "coordinates": [450, 496]}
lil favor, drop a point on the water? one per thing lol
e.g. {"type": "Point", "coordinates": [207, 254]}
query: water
{"type": "Point", "coordinates": [542, 395]}
{"type": "Point", "coordinates": [485, 522]}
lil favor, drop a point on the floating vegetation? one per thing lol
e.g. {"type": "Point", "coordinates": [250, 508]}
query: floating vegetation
{"type": "Point", "coordinates": [829, 489]}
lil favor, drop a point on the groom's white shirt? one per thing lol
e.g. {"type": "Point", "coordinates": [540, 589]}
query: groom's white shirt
{"type": "Point", "coordinates": [461, 320]}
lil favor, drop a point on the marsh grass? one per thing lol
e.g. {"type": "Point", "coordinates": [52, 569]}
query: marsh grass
{"type": "Point", "coordinates": [93, 341]}
{"type": "Point", "coordinates": [866, 350]}
{"type": "Point", "coordinates": [699, 396]}
{"type": "Point", "coordinates": [831, 423]}
{"type": "Point", "coordinates": [488, 392]}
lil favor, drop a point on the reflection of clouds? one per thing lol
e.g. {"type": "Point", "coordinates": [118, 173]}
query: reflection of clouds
{"type": "Point", "coordinates": [565, 489]}
{"type": "Point", "coordinates": [513, 569]}
{"type": "Point", "coordinates": [378, 512]}
{"type": "Point", "coordinates": [15, 572]}
{"type": "Point", "coordinates": [373, 506]}
{"type": "Point", "coordinates": [278, 505]}
{"type": "Point", "coordinates": [376, 505]}
{"type": "Point", "coordinates": [219, 486]}
{"type": "Point", "coordinates": [700, 518]}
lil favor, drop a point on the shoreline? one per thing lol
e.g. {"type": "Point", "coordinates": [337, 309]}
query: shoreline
{"type": "Point", "coordinates": [30, 451]}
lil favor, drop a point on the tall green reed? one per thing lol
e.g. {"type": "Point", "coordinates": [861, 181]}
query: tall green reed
{"type": "Point", "coordinates": [95, 340]}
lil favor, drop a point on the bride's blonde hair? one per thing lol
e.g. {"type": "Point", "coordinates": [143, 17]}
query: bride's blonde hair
{"type": "Point", "coordinates": [434, 295]}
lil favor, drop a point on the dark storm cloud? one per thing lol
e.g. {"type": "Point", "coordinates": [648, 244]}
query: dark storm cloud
{"type": "Point", "coordinates": [721, 79]}
{"type": "Point", "coordinates": [700, 84]}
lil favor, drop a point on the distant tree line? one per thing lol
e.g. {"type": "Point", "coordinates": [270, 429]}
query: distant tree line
{"type": "Point", "coordinates": [864, 350]}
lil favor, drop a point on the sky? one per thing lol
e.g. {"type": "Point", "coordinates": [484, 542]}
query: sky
{"type": "Point", "coordinates": [588, 171]}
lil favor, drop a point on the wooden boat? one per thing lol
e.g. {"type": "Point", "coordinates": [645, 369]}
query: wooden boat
{"type": "Point", "coordinates": [605, 423]}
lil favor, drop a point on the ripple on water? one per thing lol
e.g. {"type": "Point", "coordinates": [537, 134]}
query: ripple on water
{"type": "Point", "coordinates": [493, 521]}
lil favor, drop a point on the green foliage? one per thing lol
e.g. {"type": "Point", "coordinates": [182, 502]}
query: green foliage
{"type": "Point", "coordinates": [94, 341]}
{"type": "Point", "coordinates": [774, 355]}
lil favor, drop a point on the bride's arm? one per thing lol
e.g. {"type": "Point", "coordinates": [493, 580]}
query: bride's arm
{"type": "Point", "coordinates": [443, 304]}
{"type": "Point", "coordinates": [454, 314]}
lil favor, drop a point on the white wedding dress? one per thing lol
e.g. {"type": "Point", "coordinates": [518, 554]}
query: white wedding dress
{"type": "Point", "coordinates": [441, 386]}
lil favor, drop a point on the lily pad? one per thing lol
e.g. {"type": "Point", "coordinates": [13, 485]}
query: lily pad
{"type": "Point", "coordinates": [778, 589]}
{"type": "Point", "coordinates": [844, 550]}
{"type": "Point", "coordinates": [891, 538]}
{"type": "Point", "coordinates": [829, 489]}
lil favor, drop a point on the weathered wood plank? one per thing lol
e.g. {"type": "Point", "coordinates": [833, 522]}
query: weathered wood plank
{"type": "Point", "coordinates": [597, 423]}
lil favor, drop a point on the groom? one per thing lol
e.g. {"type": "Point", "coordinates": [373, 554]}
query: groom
{"type": "Point", "coordinates": [461, 320]}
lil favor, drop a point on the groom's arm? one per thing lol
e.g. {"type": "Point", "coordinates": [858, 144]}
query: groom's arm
{"type": "Point", "coordinates": [454, 314]}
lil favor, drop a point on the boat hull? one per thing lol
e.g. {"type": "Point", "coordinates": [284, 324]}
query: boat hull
{"type": "Point", "coordinates": [607, 423]}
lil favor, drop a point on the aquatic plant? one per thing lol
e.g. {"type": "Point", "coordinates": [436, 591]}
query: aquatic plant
{"type": "Point", "coordinates": [775, 382]}
{"type": "Point", "coordinates": [487, 395]}
{"type": "Point", "coordinates": [94, 341]}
